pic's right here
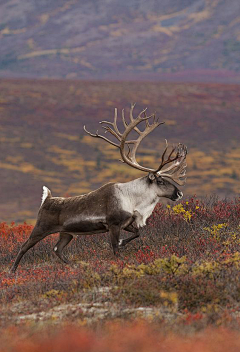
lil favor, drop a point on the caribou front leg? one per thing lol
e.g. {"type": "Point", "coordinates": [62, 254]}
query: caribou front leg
{"type": "Point", "coordinates": [114, 237]}
{"type": "Point", "coordinates": [131, 228]}
{"type": "Point", "coordinates": [125, 220]}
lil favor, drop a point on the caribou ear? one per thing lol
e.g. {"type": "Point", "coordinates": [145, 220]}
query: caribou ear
{"type": "Point", "coordinates": [151, 176]}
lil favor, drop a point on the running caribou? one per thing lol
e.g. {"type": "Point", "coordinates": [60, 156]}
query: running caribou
{"type": "Point", "coordinates": [114, 206]}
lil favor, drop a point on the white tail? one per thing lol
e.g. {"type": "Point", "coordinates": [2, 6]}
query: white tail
{"type": "Point", "coordinates": [46, 194]}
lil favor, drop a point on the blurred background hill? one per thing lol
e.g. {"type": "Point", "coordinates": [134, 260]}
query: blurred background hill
{"type": "Point", "coordinates": [64, 64]}
{"type": "Point", "coordinates": [196, 40]}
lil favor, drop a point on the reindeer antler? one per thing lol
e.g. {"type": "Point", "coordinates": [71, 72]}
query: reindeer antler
{"type": "Point", "coordinates": [177, 170]}
{"type": "Point", "coordinates": [178, 154]}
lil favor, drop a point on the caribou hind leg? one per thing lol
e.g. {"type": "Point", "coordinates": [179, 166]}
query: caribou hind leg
{"type": "Point", "coordinates": [64, 239]}
{"type": "Point", "coordinates": [37, 235]}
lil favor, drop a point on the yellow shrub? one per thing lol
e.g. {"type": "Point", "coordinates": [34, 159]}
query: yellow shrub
{"type": "Point", "coordinates": [215, 230]}
{"type": "Point", "coordinates": [179, 209]}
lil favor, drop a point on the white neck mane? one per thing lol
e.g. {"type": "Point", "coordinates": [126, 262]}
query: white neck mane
{"type": "Point", "coordinates": [137, 198]}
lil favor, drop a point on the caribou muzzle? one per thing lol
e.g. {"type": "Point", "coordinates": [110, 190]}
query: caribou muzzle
{"type": "Point", "coordinates": [177, 195]}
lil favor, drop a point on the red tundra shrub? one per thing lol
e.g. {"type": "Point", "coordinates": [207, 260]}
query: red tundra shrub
{"type": "Point", "coordinates": [140, 337]}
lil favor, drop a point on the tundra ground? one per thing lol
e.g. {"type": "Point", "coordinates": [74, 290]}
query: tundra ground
{"type": "Point", "coordinates": [180, 279]}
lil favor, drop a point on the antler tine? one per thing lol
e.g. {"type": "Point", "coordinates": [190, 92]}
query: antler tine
{"type": "Point", "coordinates": [138, 119]}
{"type": "Point", "coordinates": [163, 154]}
{"type": "Point", "coordinates": [154, 119]}
{"type": "Point", "coordinates": [147, 120]}
{"type": "Point", "coordinates": [132, 118]}
{"type": "Point", "coordinates": [108, 129]}
{"type": "Point", "coordinates": [114, 124]}
{"type": "Point", "coordinates": [169, 159]}
{"type": "Point", "coordinates": [178, 173]}
{"type": "Point", "coordinates": [97, 135]}
{"type": "Point", "coordinates": [144, 113]}
{"type": "Point", "coordinates": [123, 119]}
{"type": "Point", "coordinates": [177, 170]}
{"type": "Point", "coordinates": [131, 111]}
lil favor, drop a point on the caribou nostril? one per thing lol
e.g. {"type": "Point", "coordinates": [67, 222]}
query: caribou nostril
{"type": "Point", "coordinates": [179, 194]}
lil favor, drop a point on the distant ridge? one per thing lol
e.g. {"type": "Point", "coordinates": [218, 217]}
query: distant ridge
{"type": "Point", "coordinates": [168, 40]}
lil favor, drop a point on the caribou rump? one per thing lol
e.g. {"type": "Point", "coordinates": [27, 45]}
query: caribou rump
{"type": "Point", "coordinates": [114, 206]}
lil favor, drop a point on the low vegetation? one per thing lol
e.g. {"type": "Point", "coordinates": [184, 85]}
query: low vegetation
{"type": "Point", "coordinates": [181, 276]}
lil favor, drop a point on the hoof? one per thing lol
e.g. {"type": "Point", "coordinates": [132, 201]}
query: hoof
{"type": "Point", "coordinates": [121, 243]}
{"type": "Point", "coordinates": [62, 258]}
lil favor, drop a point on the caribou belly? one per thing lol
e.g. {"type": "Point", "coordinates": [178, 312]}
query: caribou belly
{"type": "Point", "coordinates": [83, 225]}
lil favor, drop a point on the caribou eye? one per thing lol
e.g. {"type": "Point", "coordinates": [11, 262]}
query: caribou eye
{"type": "Point", "coordinates": [160, 181]}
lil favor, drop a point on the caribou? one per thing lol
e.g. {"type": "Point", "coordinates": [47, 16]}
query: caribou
{"type": "Point", "coordinates": [114, 206]}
